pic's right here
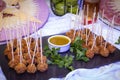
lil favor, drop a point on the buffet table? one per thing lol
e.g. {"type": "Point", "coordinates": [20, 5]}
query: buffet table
{"type": "Point", "coordinates": [60, 25]}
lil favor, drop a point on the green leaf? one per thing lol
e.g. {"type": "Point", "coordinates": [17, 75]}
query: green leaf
{"type": "Point", "coordinates": [49, 62]}
{"type": "Point", "coordinates": [71, 68]}
{"type": "Point", "coordinates": [118, 41]}
{"type": "Point", "coordinates": [77, 48]}
{"type": "Point", "coordinates": [71, 49]}
{"type": "Point", "coordinates": [56, 58]}
{"type": "Point", "coordinates": [86, 59]}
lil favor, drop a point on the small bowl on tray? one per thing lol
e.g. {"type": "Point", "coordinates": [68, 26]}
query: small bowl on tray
{"type": "Point", "coordinates": [59, 41]}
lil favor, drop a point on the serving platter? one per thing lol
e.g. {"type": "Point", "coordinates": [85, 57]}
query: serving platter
{"type": "Point", "coordinates": [42, 15]}
{"type": "Point", "coordinates": [53, 70]}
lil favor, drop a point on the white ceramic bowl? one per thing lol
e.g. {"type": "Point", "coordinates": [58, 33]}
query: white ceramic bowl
{"type": "Point", "coordinates": [65, 46]}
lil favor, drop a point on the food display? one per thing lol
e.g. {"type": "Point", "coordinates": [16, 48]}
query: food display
{"type": "Point", "coordinates": [26, 55]}
{"type": "Point", "coordinates": [94, 44]}
{"type": "Point", "coordinates": [109, 10]}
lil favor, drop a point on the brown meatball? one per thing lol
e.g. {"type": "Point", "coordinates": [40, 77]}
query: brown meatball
{"type": "Point", "coordinates": [17, 50]}
{"type": "Point", "coordinates": [7, 51]}
{"type": "Point", "coordinates": [9, 55]}
{"type": "Point", "coordinates": [26, 56]}
{"type": "Point", "coordinates": [99, 40]}
{"type": "Point", "coordinates": [83, 36]}
{"type": "Point", "coordinates": [13, 63]}
{"type": "Point", "coordinates": [86, 30]}
{"type": "Point", "coordinates": [24, 43]}
{"type": "Point", "coordinates": [25, 49]}
{"type": "Point", "coordinates": [38, 54]}
{"type": "Point", "coordinates": [15, 43]}
{"type": "Point", "coordinates": [42, 67]}
{"type": "Point", "coordinates": [90, 53]}
{"type": "Point", "coordinates": [104, 52]}
{"type": "Point", "coordinates": [29, 61]}
{"type": "Point", "coordinates": [44, 59]}
{"type": "Point", "coordinates": [31, 68]}
{"type": "Point", "coordinates": [111, 48]}
{"type": "Point", "coordinates": [90, 43]}
{"type": "Point", "coordinates": [20, 68]}
{"type": "Point", "coordinates": [17, 57]}
{"type": "Point", "coordinates": [96, 49]}
{"type": "Point", "coordinates": [24, 61]}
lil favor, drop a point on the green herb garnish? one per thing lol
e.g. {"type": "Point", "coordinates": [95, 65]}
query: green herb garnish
{"type": "Point", "coordinates": [55, 58]}
{"type": "Point", "coordinates": [76, 47]}
{"type": "Point", "coordinates": [118, 41]}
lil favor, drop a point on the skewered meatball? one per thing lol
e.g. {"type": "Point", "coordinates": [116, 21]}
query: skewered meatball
{"type": "Point", "coordinates": [23, 43]}
{"type": "Point", "coordinates": [72, 31]}
{"type": "Point", "coordinates": [83, 36]}
{"type": "Point", "coordinates": [85, 46]}
{"type": "Point", "coordinates": [25, 49]}
{"type": "Point", "coordinates": [90, 43]}
{"type": "Point", "coordinates": [104, 52]}
{"type": "Point", "coordinates": [86, 30]}
{"type": "Point", "coordinates": [9, 55]}
{"type": "Point", "coordinates": [78, 33]}
{"type": "Point", "coordinates": [111, 48]}
{"type": "Point", "coordinates": [15, 43]}
{"type": "Point", "coordinates": [42, 67]}
{"type": "Point", "coordinates": [24, 61]}
{"type": "Point", "coordinates": [90, 53]}
{"type": "Point", "coordinates": [7, 51]}
{"type": "Point", "coordinates": [31, 68]}
{"type": "Point", "coordinates": [32, 46]}
{"type": "Point", "coordinates": [29, 61]}
{"type": "Point", "coordinates": [13, 63]}
{"type": "Point", "coordinates": [17, 57]}
{"type": "Point", "coordinates": [99, 40]}
{"type": "Point", "coordinates": [96, 49]}
{"type": "Point", "coordinates": [17, 50]}
{"type": "Point", "coordinates": [37, 55]}
{"type": "Point", "coordinates": [20, 68]}
{"type": "Point", "coordinates": [26, 56]}
{"type": "Point", "coordinates": [91, 37]}
{"type": "Point", "coordinates": [44, 59]}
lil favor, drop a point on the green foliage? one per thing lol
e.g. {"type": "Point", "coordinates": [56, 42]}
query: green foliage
{"type": "Point", "coordinates": [118, 41]}
{"type": "Point", "coordinates": [55, 58]}
{"type": "Point", "coordinates": [76, 47]}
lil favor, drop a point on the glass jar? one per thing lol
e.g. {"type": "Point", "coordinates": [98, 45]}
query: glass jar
{"type": "Point", "coordinates": [61, 7]}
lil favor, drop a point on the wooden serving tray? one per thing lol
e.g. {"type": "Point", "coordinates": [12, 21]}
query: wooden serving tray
{"type": "Point", "coordinates": [53, 70]}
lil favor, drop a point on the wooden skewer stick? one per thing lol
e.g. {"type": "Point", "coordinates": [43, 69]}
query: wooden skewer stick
{"type": "Point", "coordinates": [93, 19]}
{"type": "Point", "coordinates": [80, 20]}
{"type": "Point", "coordinates": [41, 46]}
{"type": "Point", "coordinates": [106, 38]}
{"type": "Point", "coordinates": [20, 43]}
{"type": "Point", "coordinates": [94, 42]}
{"type": "Point", "coordinates": [75, 22]}
{"type": "Point", "coordinates": [112, 26]}
{"type": "Point", "coordinates": [11, 43]}
{"type": "Point", "coordinates": [34, 52]}
{"type": "Point", "coordinates": [6, 37]}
